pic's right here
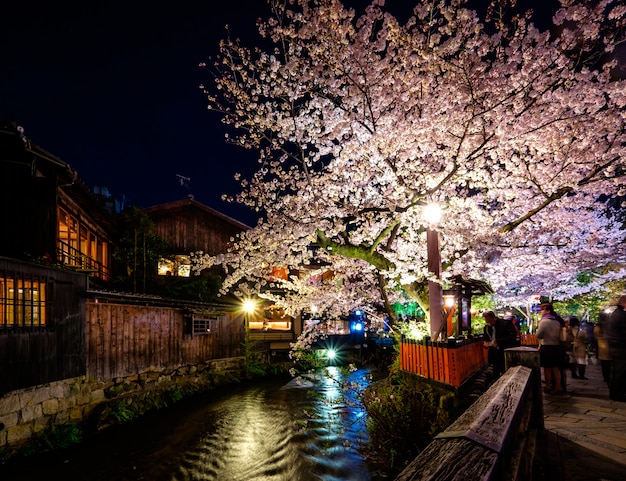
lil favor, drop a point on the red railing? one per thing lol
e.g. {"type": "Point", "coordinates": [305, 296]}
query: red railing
{"type": "Point", "coordinates": [529, 340]}
{"type": "Point", "coordinates": [444, 362]}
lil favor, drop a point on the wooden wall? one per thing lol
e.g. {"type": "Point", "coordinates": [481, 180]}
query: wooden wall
{"type": "Point", "coordinates": [190, 226]}
{"type": "Point", "coordinates": [36, 355]}
{"type": "Point", "coordinates": [127, 339]}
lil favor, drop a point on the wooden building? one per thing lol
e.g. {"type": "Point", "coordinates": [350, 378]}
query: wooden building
{"type": "Point", "coordinates": [49, 215]}
{"type": "Point", "coordinates": [58, 316]}
{"type": "Point", "coordinates": [189, 226]}
{"type": "Point", "coordinates": [42, 324]}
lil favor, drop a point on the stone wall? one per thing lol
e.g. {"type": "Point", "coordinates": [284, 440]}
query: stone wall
{"type": "Point", "coordinates": [26, 413]}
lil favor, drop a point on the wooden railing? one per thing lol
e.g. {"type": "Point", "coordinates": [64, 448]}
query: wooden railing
{"type": "Point", "coordinates": [529, 340]}
{"type": "Point", "coordinates": [448, 362]}
{"type": "Point", "coordinates": [493, 439]}
{"type": "Point", "coordinates": [73, 258]}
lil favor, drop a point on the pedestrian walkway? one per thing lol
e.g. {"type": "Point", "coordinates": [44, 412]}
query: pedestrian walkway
{"type": "Point", "coordinates": [585, 433]}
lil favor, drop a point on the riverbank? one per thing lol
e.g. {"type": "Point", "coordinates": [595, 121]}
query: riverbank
{"type": "Point", "coordinates": [257, 429]}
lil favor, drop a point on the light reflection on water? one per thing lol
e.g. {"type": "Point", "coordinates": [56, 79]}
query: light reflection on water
{"type": "Point", "coordinates": [262, 432]}
{"type": "Point", "coordinates": [303, 431]}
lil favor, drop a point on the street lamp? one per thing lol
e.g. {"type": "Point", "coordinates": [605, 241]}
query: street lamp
{"type": "Point", "coordinates": [432, 215]}
{"type": "Point", "coordinates": [248, 307]}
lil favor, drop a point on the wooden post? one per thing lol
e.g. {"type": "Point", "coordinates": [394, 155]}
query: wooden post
{"type": "Point", "coordinates": [529, 357]}
{"type": "Point", "coordinates": [435, 297]}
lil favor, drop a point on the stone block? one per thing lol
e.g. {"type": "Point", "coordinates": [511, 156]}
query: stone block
{"type": "Point", "coordinates": [40, 424]}
{"type": "Point", "coordinates": [83, 398]}
{"type": "Point", "coordinates": [66, 404]}
{"type": "Point", "coordinates": [76, 413]}
{"type": "Point", "coordinates": [62, 417]}
{"type": "Point", "coordinates": [98, 395]}
{"type": "Point", "coordinates": [34, 396]}
{"type": "Point", "coordinates": [30, 413]}
{"type": "Point", "coordinates": [9, 420]}
{"type": "Point", "coordinates": [9, 403]}
{"type": "Point", "coordinates": [50, 407]}
{"type": "Point", "coordinates": [74, 389]}
{"type": "Point", "coordinates": [18, 434]}
{"type": "Point", "coordinates": [59, 389]}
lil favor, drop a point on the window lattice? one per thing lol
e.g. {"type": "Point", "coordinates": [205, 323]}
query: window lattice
{"type": "Point", "coordinates": [22, 302]}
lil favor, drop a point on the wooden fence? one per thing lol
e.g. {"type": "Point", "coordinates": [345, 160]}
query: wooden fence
{"type": "Point", "coordinates": [127, 339]}
{"type": "Point", "coordinates": [529, 340]}
{"type": "Point", "coordinates": [493, 440]}
{"type": "Point", "coordinates": [444, 362]}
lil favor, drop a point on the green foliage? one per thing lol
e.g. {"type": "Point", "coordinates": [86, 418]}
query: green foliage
{"type": "Point", "coordinates": [410, 308]}
{"type": "Point", "coordinates": [129, 407]}
{"type": "Point", "coordinates": [122, 413]}
{"type": "Point", "coordinates": [589, 305]}
{"type": "Point", "coordinates": [138, 252]}
{"type": "Point", "coordinates": [414, 330]}
{"type": "Point", "coordinates": [55, 437]}
{"type": "Point", "coordinates": [254, 364]}
{"type": "Point", "coordinates": [204, 289]}
{"type": "Point", "coordinates": [481, 304]}
{"type": "Point", "coordinates": [404, 414]}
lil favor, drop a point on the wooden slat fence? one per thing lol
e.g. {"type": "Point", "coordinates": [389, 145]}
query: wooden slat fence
{"type": "Point", "coordinates": [126, 339]}
{"type": "Point", "coordinates": [441, 362]}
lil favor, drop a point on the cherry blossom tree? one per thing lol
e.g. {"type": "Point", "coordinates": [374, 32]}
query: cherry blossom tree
{"type": "Point", "coordinates": [361, 120]}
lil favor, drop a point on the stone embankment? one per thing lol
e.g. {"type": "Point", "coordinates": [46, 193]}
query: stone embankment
{"type": "Point", "coordinates": [27, 413]}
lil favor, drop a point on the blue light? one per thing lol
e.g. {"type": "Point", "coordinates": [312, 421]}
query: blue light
{"type": "Point", "coordinates": [358, 326]}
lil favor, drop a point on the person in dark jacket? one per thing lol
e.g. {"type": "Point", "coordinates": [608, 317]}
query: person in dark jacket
{"type": "Point", "coordinates": [616, 338]}
{"type": "Point", "coordinates": [499, 335]}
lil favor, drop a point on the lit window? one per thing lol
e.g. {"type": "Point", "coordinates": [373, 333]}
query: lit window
{"type": "Point", "coordinates": [22, 302]}
{"type": "Point", "coordinates": [166, 267]}
{"type": "Point", "coordinates": [79, 247]}
{"type": "Point", "coordinates": [179, 267]}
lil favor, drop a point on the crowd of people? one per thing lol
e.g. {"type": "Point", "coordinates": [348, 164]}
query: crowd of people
{"type": "Point", "coordinates": [563, 346]}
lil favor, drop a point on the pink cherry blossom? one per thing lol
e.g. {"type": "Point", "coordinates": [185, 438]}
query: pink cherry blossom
{"type": "Point", "coordinates": [361, 120]}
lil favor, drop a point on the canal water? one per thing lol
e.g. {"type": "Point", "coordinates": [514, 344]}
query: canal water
{"type": "Point", "coordinates": [275, 431]}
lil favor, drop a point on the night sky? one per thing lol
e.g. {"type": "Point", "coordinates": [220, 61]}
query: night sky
{"type": "Point", "coordinates": [112, 88]}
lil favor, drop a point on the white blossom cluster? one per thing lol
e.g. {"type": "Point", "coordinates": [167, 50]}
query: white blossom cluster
{"type": "Point", "coordinates": [361, 121]}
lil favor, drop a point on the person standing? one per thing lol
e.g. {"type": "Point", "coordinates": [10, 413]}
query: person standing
{"type": "Point", "coordinates": [513, 319]}
{"type": "Point", "coordinates": [616, 338]}
{"type": "Point", "coordinates": [566, 339]}
{"type": "Point", "coordinates": [550, 351]}
{"type": "Point", "coordinates": [604, 355]}
{"type": "Point", "coordinates": [499, 335]}
{"type": "Point", "coordinates": [579, 349]}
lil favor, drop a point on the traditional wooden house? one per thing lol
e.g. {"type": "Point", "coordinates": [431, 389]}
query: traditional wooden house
{"type": "Point", "coordinates": [56, 238]}
{"type": "Point", "coordinates": [190, 226]}
{"type": "Point", "coordinates": [67, 341]}
{"type": "Point", "coordinates": [48, 214]}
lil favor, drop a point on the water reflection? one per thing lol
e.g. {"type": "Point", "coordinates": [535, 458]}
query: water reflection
{"type": "Point", "coordinates": [292, 431]}
{"type": "Point", "coordinates": [306, 430]}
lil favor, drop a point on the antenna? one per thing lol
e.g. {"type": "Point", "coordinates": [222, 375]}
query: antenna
{"type": "Point", "coordinates": [184, 181]}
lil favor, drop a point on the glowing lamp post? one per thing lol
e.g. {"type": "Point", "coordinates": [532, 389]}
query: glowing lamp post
{"type": "Point", "coordinates": [248, 307]}
{"type": "Point", "coordinates": [432, 215]}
